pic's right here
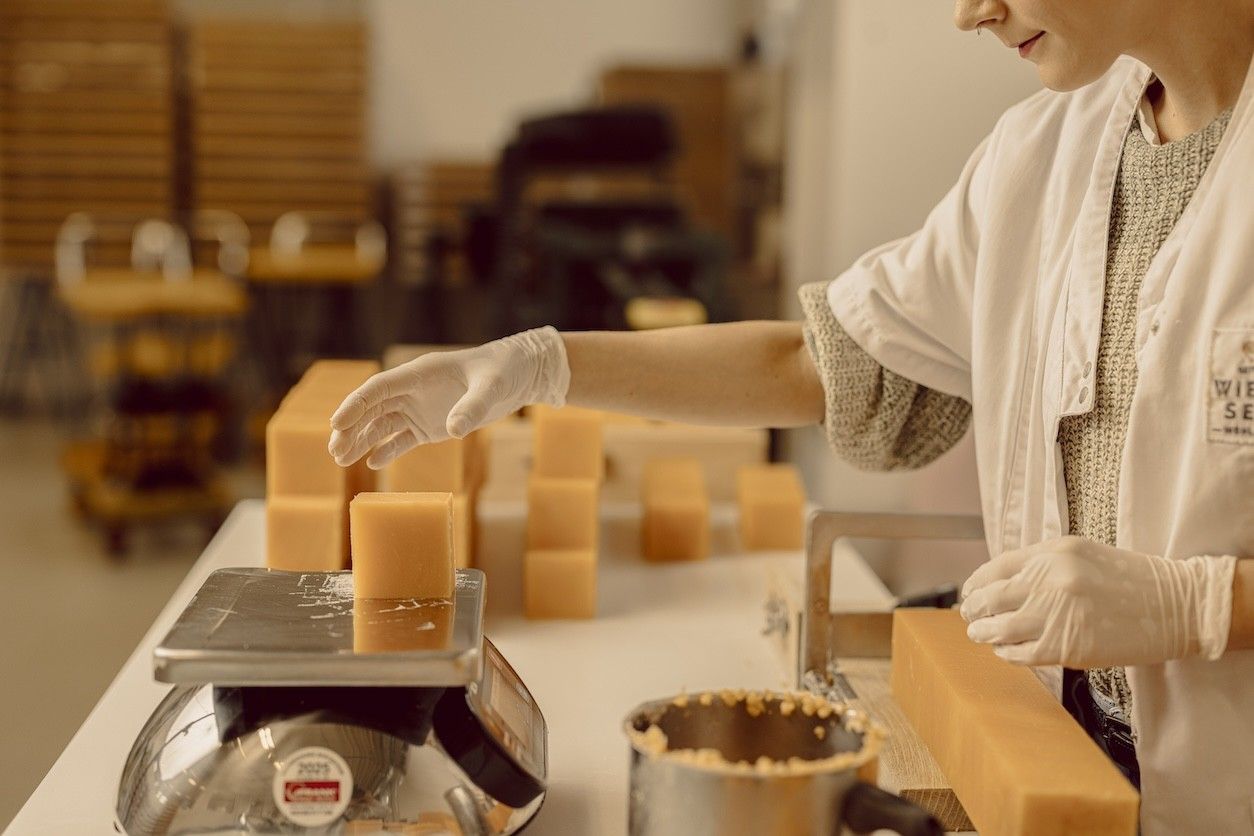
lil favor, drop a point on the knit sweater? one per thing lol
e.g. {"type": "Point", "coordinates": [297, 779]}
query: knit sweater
{"type": "Point", "coordinates": [878, 420]}
{"type": "Point", "coordinates": [1155, 183]}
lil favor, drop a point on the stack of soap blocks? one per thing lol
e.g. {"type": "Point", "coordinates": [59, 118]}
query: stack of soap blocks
{"type": "Point", "coordinates": [307, 493]}
{"type": "Point", "coordinates": [563, 520]}
{"type": "Point", "coordinates": [772, 507]}
{"type": "Point", "coordinates": [676, 509]}
{"type": "Point", "coordinates": [457, 466]}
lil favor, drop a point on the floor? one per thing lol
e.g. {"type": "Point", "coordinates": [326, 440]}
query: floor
{"type": "Point", "coordinates": [73, 614]}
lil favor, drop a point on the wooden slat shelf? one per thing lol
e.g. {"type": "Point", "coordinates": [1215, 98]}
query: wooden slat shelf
{"type": "Point", "coordinates": [86, 53]}
{"type": "Point", "coordinates": [261, 192]}
{"type": "Point", "coordinates": [117, 167]}
{"type": "Point", "coordinates": [24, 122]}
{"type": "Point", "coordinates": [262, 34]}
{"type": "Point", "coordinates": [260, 216]}
{"type": "Point", "coordinates": [118, 102]}
{"type": "Point", "coordinates": [297, 103]}
{"type": "Point", "coordinates": [41, 254]}
{"type": "Point", "coordinates": [50, 77]}
{"type": "Point", "coordinates": [280, 125]}
{"type": "Point", "coordinates": [288, 147]}
{"type": "Point", "coordinates": [235, 169]}
{"type": "Point", "coordinates": [91, 31]}
{"type": "Point", "coordinates": [350, 59]}
{"type": "Point", "coordinates": [275, 130]}
{"type": "Point", "coordinates": [85, 122]}
{"type": "Point", "coordinates": [13, 210]}
{"type": "Point", "coordinates": [84, 191]}
{"type": "Point", "coordinates": [271, 82]}
{"type": "Point", "coordinates": [146, 10]}
{"type": "Point", "coordinates": [110, 146]}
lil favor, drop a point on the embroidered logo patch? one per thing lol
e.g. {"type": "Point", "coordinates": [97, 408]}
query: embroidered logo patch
{"type": "Point", "coordinates": [1230, 389]}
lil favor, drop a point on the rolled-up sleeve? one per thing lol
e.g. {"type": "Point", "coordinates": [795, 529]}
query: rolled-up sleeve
{"type": "Point", "coordinates": [874, 418]}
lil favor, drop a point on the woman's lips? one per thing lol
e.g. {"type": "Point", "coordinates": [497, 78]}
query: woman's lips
{"type": "Point", "coordinates": [1026, 47]}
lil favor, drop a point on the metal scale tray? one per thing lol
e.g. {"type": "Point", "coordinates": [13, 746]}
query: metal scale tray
{"type": "Point", "coordinates": [257, 627]}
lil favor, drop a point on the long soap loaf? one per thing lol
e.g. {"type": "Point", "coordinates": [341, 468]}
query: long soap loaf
{"type": "Point", "coordinates": [1020, 765]}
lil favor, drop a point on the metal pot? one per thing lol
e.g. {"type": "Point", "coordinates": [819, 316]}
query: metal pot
{"type": "Point", "coordinates": [759, 764]}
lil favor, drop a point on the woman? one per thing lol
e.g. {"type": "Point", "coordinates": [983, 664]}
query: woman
{"type": "Point", "coordinates": [1084, 296]}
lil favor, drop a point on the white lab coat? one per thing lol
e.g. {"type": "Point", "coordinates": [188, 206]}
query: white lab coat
{"type": "Point", "coordinates": [998, 299]}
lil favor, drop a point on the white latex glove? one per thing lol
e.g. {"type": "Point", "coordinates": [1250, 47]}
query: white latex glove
{"type": "Point", "coordinates": [1081, 604]}
{"type": "Point", "coordinates": [448, 394]}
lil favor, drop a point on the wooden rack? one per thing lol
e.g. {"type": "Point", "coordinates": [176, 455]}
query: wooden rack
{"type": "Point", "coordinates": [277, 118]}
{"type": "Point", "coordinates": [699, 100]}
{"type": "Point", "coordinates": [431, 198]}
{"type": "Point", "coordinates": [85, 120]}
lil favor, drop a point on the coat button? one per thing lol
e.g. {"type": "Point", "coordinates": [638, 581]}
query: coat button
{"type": "Point", "coordinates": [1088, 368]}
{"type": "Point", "coordinates": [1084, 395]}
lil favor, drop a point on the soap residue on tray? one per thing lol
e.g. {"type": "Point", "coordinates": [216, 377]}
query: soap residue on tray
{"type": "Point", "coordinates": [325, 589]}
{"type": "Point", "coordinates": [653, 742]}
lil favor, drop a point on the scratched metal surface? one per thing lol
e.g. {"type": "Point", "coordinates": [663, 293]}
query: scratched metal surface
{"type": "Point", "coordinates": [262, 627]}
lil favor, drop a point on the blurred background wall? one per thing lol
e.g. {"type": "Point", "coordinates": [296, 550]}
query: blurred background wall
{"type": "Point", "coordinates": [889, 101]}
{"type": "Point", "coordinates": [452, 77]}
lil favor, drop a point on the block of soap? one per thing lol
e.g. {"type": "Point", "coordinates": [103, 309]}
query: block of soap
{"type": "Point", "coordinates": [428, 467]}
{"type": "Point", "coordinates": [352, 373]}
{"type": "Point", "coordinates": [478, 447]}
{"type": "Point", "coordinates": [772, 507]}
{"type": "Point", "coordinates": [675, 524]}
{"type": "Point", "coordinates": [402, 545]}
{"type": "Point", "coordinates": [380, 626]}
{"type": "Point", "coordinates": [562, 513]}
{"type": "Point", "coordinates": [463, 530]}
{"type": "Point", "coordinates": [560, 583]}
{"type": "Point", "coordinates": [1018, 762]}
{"type": "Point", "coordinates": [568, 443]}
{"type": "Point", "coordinates": [297, 461]}
{"type": "Point", "coordinates": [306, 534]}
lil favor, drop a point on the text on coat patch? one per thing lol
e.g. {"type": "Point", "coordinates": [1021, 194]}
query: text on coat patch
{"type": "Point", "coordinates": [1230, 395]}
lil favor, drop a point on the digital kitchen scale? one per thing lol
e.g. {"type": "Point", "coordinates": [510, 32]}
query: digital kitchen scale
{"type": "Point", "coordinates": [297, 709]}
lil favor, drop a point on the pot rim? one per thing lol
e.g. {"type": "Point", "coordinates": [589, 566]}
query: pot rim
{"type": "Point", "coordinates": [850, 718]}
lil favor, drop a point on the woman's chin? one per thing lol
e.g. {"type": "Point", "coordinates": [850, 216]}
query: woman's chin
{"type": "Point", "coordinates": [1065, 78]}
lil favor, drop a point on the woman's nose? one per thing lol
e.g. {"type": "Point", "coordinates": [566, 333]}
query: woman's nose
{"type": "Point", "coordinates": [972, 14]}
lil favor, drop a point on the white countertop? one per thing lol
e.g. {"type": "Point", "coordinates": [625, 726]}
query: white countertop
{"type": "Point", "coordinates": [661, 629]}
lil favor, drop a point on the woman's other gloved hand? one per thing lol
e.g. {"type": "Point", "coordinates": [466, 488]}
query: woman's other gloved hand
{"type": "Point", "coordinates": [448, 395]}
{"type": "Point", "coordinates": [1082, 604]}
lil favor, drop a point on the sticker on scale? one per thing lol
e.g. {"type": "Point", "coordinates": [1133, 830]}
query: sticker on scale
{"type": "Point", "coordinates": [313, 786]}
{"type": "Point", "coordinates": [1230, 401]}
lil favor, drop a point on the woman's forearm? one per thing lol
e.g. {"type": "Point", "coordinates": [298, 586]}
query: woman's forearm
{"type": "Point", "coordinates": [750, 374]}
{"type": "Point", "coordinates": [1241, 633]}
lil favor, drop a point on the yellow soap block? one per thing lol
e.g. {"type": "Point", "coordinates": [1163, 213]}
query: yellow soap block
{"type": "Point", "coordinates": [297, 461]}
{"type": "Point", "coordinates": [568, 443]}
{"type": "Point", "coordinates": [1018, 762]}
{"type": "Point", "coordinates": [306, 534]}
{"type": "Point", "coordinates": [463, 530]}
{"type": "Point", "coordinates": [560, 583]}
{"type": "Point", "coordinates": [428, 467]}
{"type": "Point", "coordinates": [772, 507]}
{"type": "Point", "coordinates": [562, 513]}
{"type": "Point", "coordinates": [380, 626]}
{"type": "Point", "coordinates": [676, 510]}
{"type": "Point", "coordinates": [478, 447]}
{"type": "Point", "coordinates": [341, 372]}
{"type": "Point", "coordinates": [402, 545]}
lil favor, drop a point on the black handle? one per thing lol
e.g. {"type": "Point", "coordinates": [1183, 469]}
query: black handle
{"type": "Point", "coordinates": [869, 808]}
{"type": "Point", "coordinates": [941, 598]}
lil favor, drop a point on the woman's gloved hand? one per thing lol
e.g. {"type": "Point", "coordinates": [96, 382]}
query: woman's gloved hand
{"type": "Point", "coordinates": [448, 395]}
{"type": "Point", "coordinates": [1081, 604]}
